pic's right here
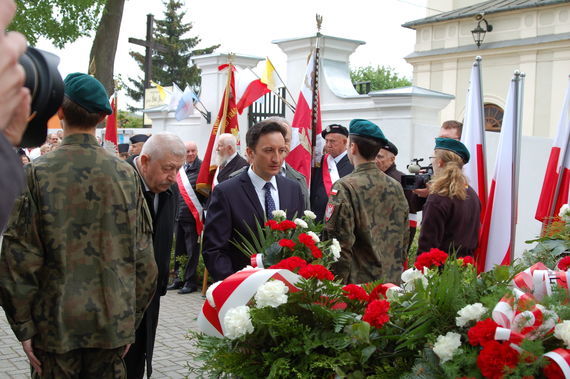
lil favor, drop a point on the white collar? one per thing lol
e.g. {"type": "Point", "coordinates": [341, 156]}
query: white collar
{"type": "Point", "coordinates": [259, 182]}
{"type": "Point", "coordinates": [340, 156]}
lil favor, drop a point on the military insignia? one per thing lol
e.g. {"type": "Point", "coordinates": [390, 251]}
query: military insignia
{"type": "Point", "coordinates": [334, 192]}
{"type": "Point", "coordinates": [329, 211]}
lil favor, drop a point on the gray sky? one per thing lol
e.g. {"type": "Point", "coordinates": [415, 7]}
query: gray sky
{"type": "Point", "coordinates": [249, 26]}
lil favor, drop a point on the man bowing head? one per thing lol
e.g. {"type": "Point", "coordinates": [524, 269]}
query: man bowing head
{"type": "Point", "coordinates": [252, 196]}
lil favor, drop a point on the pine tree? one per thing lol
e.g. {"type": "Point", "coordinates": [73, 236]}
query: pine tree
{"type": "Point", "coordinates": [174, 65]}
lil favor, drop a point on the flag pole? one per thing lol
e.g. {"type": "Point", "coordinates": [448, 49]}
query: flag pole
{"type": "Point", "coordinates": [286, 88]}
{"type": "Point", "coordinates": [276, 93]}
{"type": "Point", "coordinates": [517, 114]}
{"type": "Point", "coordinates": [315, 90]}
{"type": "Point", "coordinates": [478, 61]}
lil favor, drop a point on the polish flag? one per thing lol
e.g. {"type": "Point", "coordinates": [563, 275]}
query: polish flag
{"type": "Point", "coordinates": [110, 142]}
{"type": "Point", "coordinates": [190, 198]}
{"type": "Point", "coordinates": [473, 136]}
{"type": "Point", "coordinates": [256, 88]}
{"type": "Point", "coordinates": [301, 154]}
{"type": "Point", "coordinates": [498, 228]}
{"type": "Point", "coordinates": [557, 177]}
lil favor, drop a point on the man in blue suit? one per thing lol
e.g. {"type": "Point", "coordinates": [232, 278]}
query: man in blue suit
{"type": "Point", "coordinates": [238, 202]}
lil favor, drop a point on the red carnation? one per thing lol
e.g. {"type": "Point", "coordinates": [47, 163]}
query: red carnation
{"type": "Point", "coordinates": [316, 271]}
{"type": "Point", "coordinates": [355, 292]}
{"type": "Point", "coordinates": [434, 257]}
{"type": "Point", "coordinates": [291, 263]}
{"type": "Point", "coordinates": [466, 261]}
{"type": "Point", "coordinates": [564, 263]}
{"type": "Point", "coordinates": [317, 253]}
{"type": "Point", "coordinates": [274, 225]}
{"type": "Point", "coordinates": [306, 239]}
{"type": "Point", "coordinates": [495, 357]}
{"type": "Point", "coordinates": [375, 293]}
{"type": "Point", "coordinates": [286, 225]}
{"type": "Point", "coordinates": [376, 313]}
{"type": "Point", "coordinates": [482, 332]}
{"type": "Point", "coordinates": [287, 243]}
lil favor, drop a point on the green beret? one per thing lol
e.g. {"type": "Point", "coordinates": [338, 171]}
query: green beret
{"type": "Point", "coordinates": [365, 128]}
{"type": "Point", "coordinates": [87, 92]}
{"type": "Point", "coordinates": [453, 145]}
{"type": "Point", "coordinates": [334, 128]}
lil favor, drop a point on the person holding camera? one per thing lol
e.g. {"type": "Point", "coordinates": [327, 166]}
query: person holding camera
{"type": "Point", "coordinates": [452, 209]}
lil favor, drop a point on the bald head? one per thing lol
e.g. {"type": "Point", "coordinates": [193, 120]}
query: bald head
{"type": "Point", "coordinates": [161, 157]}
{"type": "Point", "coordinates": [191, 151]}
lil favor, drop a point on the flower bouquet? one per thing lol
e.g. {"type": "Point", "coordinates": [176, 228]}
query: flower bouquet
{"type": "Point", "coordinates": [293, 319]}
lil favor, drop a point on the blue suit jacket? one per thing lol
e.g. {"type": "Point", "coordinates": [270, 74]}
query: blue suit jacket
{"type": "Point", "coordinates": [233, 207]}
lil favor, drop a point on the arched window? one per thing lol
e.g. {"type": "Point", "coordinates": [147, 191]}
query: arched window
{"type": "Point", "coordinates": [493, 117]}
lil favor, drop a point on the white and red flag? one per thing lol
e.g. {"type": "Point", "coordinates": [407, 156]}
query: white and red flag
{"type": "Point", "coordinates": [557, 177]}
{"type": "Point", "coordinates": [498, 229]}
{"type": "Point", "coordinates": [250, 88]}
{"type": "Point", "coordinates": [110, 143]}
{"type": "Point", "coordinates": [190, 198]}
{"type": "Point", "coordinates": [473, 136]}
{"type": "Point", "coordinates": [306, 122]}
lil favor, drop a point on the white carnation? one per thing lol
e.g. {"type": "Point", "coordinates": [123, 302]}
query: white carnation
{"type": "Point", "coordinates": [409, 278]}
{"type": "Point", "coordinates": [446, 346]}
{"type": "Point", "coordinates": [310, 215]}
{"type": "Point", "coordinates": [564, 212]}
{"type": "Point", "coordinates": [247, 268]}
{"type": "Point", "coordinates": [209, 293]}
{"type": "Point", "coordinates": [279, 214]}
{"type": "Point", "coordinates": [301, 223]}
{"type": "Point", "coordinates": [335, 249]}
{"type": "Point", "coordinates": [562, 332]}
{"type": "Point", "coordinates": [314, 236]}
{"type": "Point", "coordinates": [468, 313]}
{"type": "Point", "coordinates": [271, 294]}
{"type": "Point", "coordinates": [237, 322]}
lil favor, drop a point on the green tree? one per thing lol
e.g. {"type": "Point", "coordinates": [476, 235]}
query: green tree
{"type": "Point", "coordinates": [60, 21]}
{"type": "Point", "coordinates": [174, 65]}
{"type": "Point", "coordinates": [380, 77]}
{"type": "Point", "coordinates": [129, 120]}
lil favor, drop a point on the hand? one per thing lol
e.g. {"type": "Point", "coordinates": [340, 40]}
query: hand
{"type": "Point", "coordinates": [421, 192]}
{"type": "Point", "coordinates": [126, 351]}
{"type": "Point", "coordinates": [17, 124]}
{"type": "Point", "coordinates": [29, 350]}
{"type": "Point", "coordinates": [12, 45]}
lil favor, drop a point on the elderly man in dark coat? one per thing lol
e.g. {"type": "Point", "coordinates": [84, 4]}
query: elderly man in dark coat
{"type": "Point", "coordinates": [161, 157]}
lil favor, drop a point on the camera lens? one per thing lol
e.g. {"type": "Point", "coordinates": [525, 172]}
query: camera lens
{"type": "Point", "coordinates": [46, 87]}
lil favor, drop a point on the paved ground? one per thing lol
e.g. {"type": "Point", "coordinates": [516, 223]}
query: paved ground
{"type": "Point", "coordinates": [177, 315]}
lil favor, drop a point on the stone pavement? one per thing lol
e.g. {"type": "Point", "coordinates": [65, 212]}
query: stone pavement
{"type": "Point", "coordinates": [177, 315]}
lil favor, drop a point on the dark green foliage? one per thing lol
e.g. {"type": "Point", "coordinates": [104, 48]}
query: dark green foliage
{"type": "Point", "coordinates": [174, 65]}
{"type": "Point", "coordinates": [380, 77]}
{"type": "Point", "coordinates": [60, 21]}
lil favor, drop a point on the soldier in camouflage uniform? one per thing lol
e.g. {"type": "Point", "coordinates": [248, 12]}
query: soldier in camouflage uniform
{"type": "Point", "coordinates": [77, 269]}
{"type": "Point", "coordinates": [367, 213]}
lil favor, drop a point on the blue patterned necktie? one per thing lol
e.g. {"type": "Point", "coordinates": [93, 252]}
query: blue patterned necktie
{"type": "Point", "coordinates": [269, 203]}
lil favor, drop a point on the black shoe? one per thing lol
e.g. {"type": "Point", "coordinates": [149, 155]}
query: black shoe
{"type": "Point", "coordinates": [177, 284]}
{"type": "Point", "coordinates": [186, 289]}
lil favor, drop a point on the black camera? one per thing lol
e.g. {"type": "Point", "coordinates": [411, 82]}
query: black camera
{"type": "Point", "coordinates": [46, 87]}
{"type": "Point", "coordinates": [421, 175]}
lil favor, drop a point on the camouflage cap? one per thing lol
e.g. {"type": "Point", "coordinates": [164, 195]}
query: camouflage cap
{"type": "Point", "coordinates": [453, 145]}
{"type": "Point", "coordinates": [365, 128]}
{"type": "Point", "coordinates": [87, 92]}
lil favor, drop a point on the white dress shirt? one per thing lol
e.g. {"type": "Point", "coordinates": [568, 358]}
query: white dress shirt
{"type": "Point", "coordinates": [258, 184]}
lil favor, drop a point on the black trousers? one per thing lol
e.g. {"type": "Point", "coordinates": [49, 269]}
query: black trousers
{"type": "Point", "coordinates": [140, 353]}
{"type": "Point", "coordinates": [187, 244]}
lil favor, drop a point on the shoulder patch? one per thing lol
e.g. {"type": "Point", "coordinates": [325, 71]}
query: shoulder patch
{"type": "Point", "coordinates": [334, 192]}
{"type": "Point", "coordinates": [329, 211]}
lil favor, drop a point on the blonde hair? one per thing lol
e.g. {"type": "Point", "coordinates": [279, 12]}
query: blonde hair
{"type": "Point", "coordinates": [449, 181]}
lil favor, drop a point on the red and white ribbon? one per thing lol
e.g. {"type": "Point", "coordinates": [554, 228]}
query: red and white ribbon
{"type": "Point", "coordinates": [389, 290]}
{"type": "Point", "coordinates": [256, 260]}
{"type": "Point", "coordinates": [538, 280]}
{"type": "Point", "coordinates": [330, 173]}
{"type": "Point", "coordinates": [190, 198]}
{"type": "Point", "coordinates": [238, 289]}
{"type": "Point", "coordinates": [562, 358]}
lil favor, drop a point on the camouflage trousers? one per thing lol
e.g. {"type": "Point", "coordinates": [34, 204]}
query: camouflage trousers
{"type": "Point", "coordinates": [82, 363]}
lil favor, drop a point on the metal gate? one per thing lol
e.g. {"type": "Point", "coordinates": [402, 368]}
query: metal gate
{"type": "Point", "coordinates": [268, 106]}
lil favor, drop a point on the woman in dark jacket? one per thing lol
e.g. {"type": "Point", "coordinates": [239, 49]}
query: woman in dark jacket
{"type": "Point", "coordinates": [451, 213]}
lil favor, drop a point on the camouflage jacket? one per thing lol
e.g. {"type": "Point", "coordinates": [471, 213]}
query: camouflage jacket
{"type": "Point", "coordinates": [77, 267]}
{"type": "Point", "coordinates": [368, 214]}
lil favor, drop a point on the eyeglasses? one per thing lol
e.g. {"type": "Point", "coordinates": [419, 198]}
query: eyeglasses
{"type": "Point", "coordinates": [431, 159]}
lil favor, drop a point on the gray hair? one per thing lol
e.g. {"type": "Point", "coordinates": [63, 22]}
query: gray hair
{"type": "Point", "coordinates": [163, 143]}
{"type": "Point", "coordinates": [230, 139]}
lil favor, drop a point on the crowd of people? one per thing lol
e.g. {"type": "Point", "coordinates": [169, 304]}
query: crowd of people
{"type": "Point", "coordinates": [87, 236]}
